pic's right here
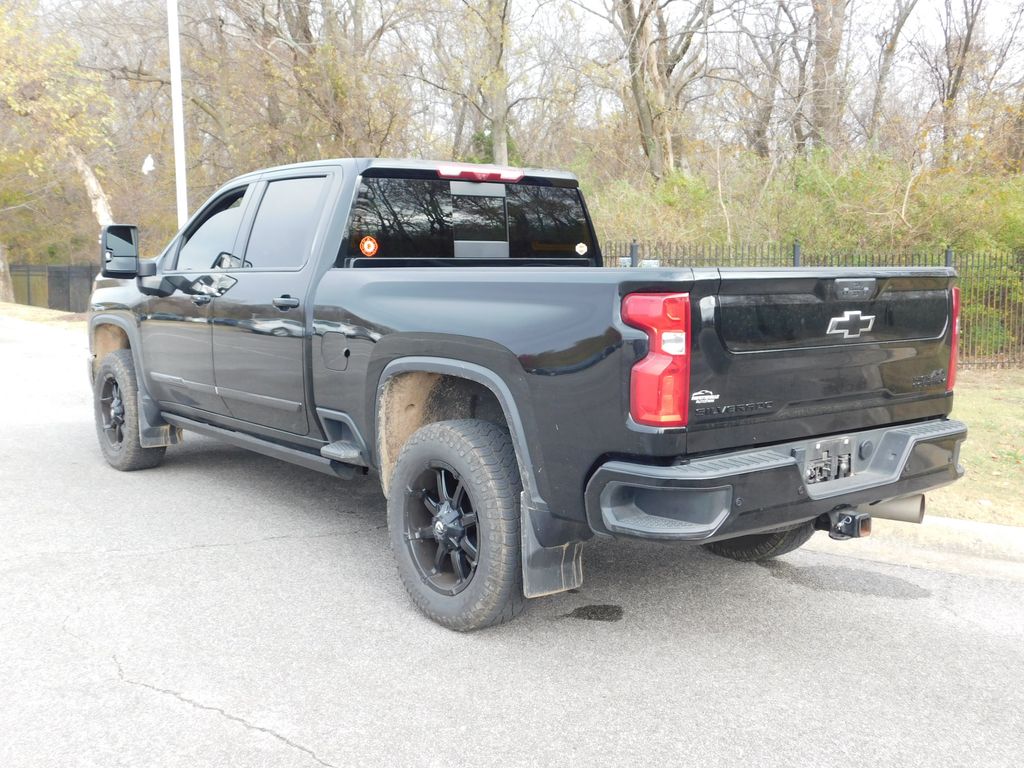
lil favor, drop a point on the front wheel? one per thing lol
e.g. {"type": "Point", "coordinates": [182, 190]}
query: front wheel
{"type": "Point", "coordinates": [116, 405]}
{"type": "Point", "coordinates": [453, 518]}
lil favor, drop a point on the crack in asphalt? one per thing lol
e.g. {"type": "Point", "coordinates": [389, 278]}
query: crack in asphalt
{"type": "Point", "coordinates": [192, 702]}
{"type": "Point", "coordinates": [172, 550]}
{"type": "Point", "coordinates": [222, 712]}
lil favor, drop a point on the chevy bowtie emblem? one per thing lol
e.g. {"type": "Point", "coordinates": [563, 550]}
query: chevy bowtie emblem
{"type": "Point", "coordinates": [852, 324]}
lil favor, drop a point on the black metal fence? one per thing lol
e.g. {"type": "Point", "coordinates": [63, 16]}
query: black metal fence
{"type": "Point", "coordinates": [991, 283]}
{"type": "Point", "coordinates": [65, 286]}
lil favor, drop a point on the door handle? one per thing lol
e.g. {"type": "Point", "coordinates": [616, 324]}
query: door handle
{"type": "Point", "coordinates": [286, 302]}
{"type": "Point", "coordinates": [199, 299]}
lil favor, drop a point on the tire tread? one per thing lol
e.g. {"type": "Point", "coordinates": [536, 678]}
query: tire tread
{"type": "Point", "coordinates": [131, 456]}
{"type": "Point", "coordinates": [487, 448]}
{"type": "Point", "coordinates": [763, 546]}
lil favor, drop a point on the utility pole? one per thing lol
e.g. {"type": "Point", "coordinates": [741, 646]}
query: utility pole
{"type": "Point", "coordinates": [177, 112]}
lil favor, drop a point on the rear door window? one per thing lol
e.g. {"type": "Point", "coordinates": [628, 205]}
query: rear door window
{"type": "Point", "coordinates": [282, 233]}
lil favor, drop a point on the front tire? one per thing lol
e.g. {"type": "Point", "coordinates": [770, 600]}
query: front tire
{"type": "Point", "coordinates": [763, 546]}
{"type": "Point", "coordinates": [116, 404]}
{"type": "Point", "coordinates": [453, 518]}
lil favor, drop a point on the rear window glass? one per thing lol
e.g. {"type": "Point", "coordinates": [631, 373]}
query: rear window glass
{"type": "Point", "coordinates": [479, 218]}
{"type": "Point", "coordinates": [408, 218]}
{"type": "Point", "coordinates": [422, 218]}
{"type": "Point", "coordinates": [546, 221]}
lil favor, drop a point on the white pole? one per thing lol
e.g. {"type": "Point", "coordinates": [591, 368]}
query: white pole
{"type": "Point", "coordinates": [177, 112]}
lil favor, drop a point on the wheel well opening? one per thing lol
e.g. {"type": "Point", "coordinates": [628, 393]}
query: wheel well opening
{"type": "Point", "coordinates": [417, 398]}
{"type": "Point", "coordinates": [105, 339]}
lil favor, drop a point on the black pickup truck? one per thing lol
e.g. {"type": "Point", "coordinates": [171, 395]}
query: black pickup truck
{"type": "Point", "coordinates": [450, 328]}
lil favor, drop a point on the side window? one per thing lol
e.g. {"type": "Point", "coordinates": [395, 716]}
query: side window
{"type": "Point", "coordinates": [208, 240]}
{"type": "Point", "coordinates": [285, 224]}
{"type": "Point", "coordinates": [407, 218]}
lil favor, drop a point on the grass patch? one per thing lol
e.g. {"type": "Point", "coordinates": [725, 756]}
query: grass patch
{"type": "Point", "coordinates": [992, 491]}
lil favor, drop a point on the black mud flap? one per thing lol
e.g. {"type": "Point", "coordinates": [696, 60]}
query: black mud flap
{"type": "Point", "coordinates": [153, 430]}
{"type": "Point", "coordinates": [547, 570]}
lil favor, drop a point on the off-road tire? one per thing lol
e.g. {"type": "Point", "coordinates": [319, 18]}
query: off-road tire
{"type": "Point", "coordinates": [763, 546]}
{"type": "Point", "coordinates": [481, 455]}
{"type": "Point", "coordinates": [127, 453]}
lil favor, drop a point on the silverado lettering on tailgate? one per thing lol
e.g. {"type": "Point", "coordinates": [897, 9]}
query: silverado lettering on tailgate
{"type": "Point", "coordinates": [733, 410]}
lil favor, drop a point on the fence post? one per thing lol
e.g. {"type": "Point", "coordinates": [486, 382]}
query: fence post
{"type": "Point", "coordinates": [949, 256]}
{"type": "Point", "coordinates": [634, 253]}
{"type": "Point", "coordinates": [796, 253]}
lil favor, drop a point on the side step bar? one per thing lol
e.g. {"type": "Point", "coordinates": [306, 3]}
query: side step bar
{"type": "Point", "coordinates": [343, 451]}
{"type": "Point", "coordinates": [275, 451]}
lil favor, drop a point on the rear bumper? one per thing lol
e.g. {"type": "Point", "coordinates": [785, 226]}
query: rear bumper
{"type": "Point", "coordinates": [765, 489]}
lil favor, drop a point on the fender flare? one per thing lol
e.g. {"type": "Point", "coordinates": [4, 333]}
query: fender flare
{"type": "Point", "coordinates": [546, 570]}
{"type": "Point", "coordinates": [153, 430]}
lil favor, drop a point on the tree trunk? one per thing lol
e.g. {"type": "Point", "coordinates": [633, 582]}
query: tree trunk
{"type": "Point", "coordinates": [957, 48]}
{"type": "Point", "coordinates": [496, 82]}
{"type": "Point", "coordinates": [826, 90]}
{"type": "Point", "coordinates": [97, 197]}
{"type": "Point", "coordinates": [639, 58]}
{"type": "Point", "coordinates": [6, 284]}
{"type": "Point", "coordinates": [885, 62]}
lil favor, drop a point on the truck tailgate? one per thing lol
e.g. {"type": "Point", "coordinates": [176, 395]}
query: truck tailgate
{"type": "Point", "coordinates": [781, 354]}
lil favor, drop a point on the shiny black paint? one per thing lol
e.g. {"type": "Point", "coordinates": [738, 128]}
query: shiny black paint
{"type": "Point", "coordinates": [259, 350]}
{"type": "Point", "coordinates": [553, 335]}
{"type": "Point", "coordinates": [761, 340]}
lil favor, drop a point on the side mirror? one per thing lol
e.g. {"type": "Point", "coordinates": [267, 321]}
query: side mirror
{"type": "Point", "coordinates": [119, 251]}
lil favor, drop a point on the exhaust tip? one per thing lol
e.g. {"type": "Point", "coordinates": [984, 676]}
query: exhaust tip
{"type": "Point", "coordinates": [909, 509]}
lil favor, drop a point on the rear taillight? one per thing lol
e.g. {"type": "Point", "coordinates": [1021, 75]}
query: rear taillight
{"type": "Point", "coordinates": [955, 341]}
{"type": "Point", "coordinates": [659, 389]}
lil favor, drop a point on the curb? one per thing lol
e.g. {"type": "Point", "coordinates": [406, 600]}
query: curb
{"type": "Point", "coordinates": [966, 537]}
{"type": "Point", "coordinates": [986, 550]}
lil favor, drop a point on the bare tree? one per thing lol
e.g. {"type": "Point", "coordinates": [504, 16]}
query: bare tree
{"type": "Point", "coordinates": [827, 88]}
{"type": "Point", "coordinates": [761, 78]}
{"type": "Point", "coordinates": [888, 39]}
{"type": "Point", "coordinates": [948, 64]}
{"type": "Point", "coordinates": [663, 57]}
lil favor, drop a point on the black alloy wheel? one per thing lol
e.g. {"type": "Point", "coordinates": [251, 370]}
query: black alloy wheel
{"type": "Point", "coordinates": [453, 522]}
{"type": "Point", "coordinates": [115, 396]}
{"type": "Point", "coordinates": [112, 411]}
{"type": "Point", "coordinates": [441, 529]}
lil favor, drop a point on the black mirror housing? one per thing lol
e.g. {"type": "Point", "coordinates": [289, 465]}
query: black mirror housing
{"type": "Point", "coordinates": [119, 251]}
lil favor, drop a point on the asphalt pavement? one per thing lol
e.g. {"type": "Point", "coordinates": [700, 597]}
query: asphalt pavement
{"type": "Point", "coordinates": [229, 610]}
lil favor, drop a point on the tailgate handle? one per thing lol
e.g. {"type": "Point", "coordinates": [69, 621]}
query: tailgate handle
{"type": "Point", "coordinates": [854, 289]}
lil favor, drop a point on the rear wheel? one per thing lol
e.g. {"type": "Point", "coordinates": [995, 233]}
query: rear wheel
{"type": "Point", "coordinates": [763, 546]}
{"type": "Point", "coordinates": [453, 517]}
{"type": "Point", "coordinates": [116, 405]}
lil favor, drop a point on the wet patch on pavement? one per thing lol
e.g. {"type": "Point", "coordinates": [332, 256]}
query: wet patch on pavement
{"type": "Point", "coordinates": [842, 579]}
{"type": "Point", "coordinates": [596, 613]}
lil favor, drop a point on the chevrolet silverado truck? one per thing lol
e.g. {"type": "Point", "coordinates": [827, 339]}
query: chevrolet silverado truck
{"type": "Point", "coordinates": [451, 329]}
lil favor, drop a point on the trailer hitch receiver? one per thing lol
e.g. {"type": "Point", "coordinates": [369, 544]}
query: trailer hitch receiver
{"type": "Point", "coordinates": [845, 524]}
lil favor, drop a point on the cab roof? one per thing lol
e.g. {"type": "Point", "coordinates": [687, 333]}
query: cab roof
{"type": "Point", "coordinates": [393, 166]}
